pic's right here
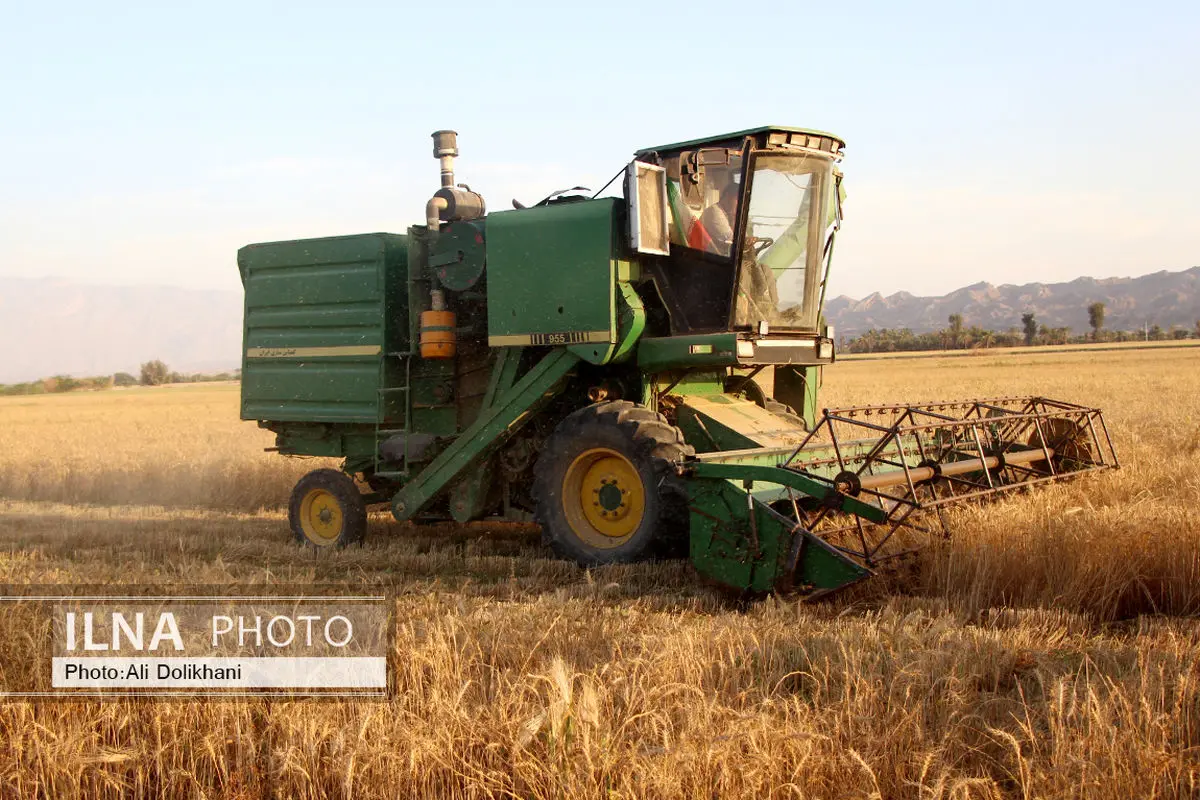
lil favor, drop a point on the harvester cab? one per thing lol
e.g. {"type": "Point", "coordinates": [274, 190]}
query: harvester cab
{"type": "Point", "coordinates": [638, 375]}
{"type": "Point", "coordinates": [750, 220]}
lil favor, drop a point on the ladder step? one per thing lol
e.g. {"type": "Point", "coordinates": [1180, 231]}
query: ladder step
{"type": "Point", "coordinates": [391, 473]}
{"type": "Point", "coordinates": [392, 389]}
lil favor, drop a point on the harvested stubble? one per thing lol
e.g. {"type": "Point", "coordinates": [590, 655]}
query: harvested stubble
{"type": "Point", "coordinates": [1047, 651]}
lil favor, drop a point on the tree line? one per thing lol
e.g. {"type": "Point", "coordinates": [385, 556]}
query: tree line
{"type": "Point", "coordinates": [152, 373]}
{"type": "Point", "coordinates": [956, 336]}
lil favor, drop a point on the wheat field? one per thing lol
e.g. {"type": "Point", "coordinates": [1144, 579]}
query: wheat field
{"type": "Point", "coordinates": [1050, 649]}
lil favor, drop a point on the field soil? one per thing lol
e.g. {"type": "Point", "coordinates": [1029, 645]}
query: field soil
{"type": "Point", "coordinates": [1050, 649]}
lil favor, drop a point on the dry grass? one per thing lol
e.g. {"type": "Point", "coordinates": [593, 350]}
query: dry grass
{"type": "Point", "coordinates": [1049, 651]}
{"type": "Point", "coordinates": [175, 446]}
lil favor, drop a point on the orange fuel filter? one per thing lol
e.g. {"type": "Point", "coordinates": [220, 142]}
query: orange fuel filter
{"type": "Point", "coordinates": [437, 334]}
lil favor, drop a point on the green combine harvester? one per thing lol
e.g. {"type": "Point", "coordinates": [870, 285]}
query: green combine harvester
{"type": "Point", "coordinates": [638, 375]}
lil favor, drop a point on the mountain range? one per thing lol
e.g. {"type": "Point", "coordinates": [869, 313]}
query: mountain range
{"type": "Point", "coordinates": [51, 326]}
{"type": "Point", "coordinates": [1160, 298]}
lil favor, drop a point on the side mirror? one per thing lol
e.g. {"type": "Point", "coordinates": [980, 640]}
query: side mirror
{"type": "Point", "coordinates": [646, 194]}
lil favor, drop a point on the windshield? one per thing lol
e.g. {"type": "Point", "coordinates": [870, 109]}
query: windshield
{"type": "Point", "coordinates": [788, 223]}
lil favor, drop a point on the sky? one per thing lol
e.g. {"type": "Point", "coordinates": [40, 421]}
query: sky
{"type": "Point", "coordinates": [1000, 142]}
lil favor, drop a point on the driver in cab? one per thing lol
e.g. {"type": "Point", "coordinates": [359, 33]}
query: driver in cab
{"type": "Point", "coordinates": [718, 219]}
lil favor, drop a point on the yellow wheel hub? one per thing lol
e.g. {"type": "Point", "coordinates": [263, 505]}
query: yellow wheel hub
{"type": "Point", "coordinates": [603, 497]}
{"type": "Point", "coordinates": [321, 517]}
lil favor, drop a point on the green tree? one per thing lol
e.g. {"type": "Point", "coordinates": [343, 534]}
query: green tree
{"type": "Point", "coordinates": [62, 383]}
{"type": "Point", "coordinates": [154, 373]}
{"type": "Point", "coordinates": [124, 379]}
{"type": "Point", "coordinates": [1096, 319]}
{"type": "Point", "coordinates": [956, 329]}
{"type": "Point", "coordinates": [1030, 326]}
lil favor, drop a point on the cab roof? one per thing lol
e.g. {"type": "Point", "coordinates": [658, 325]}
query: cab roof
{"type": "Point", "coordinates": [725, 137]}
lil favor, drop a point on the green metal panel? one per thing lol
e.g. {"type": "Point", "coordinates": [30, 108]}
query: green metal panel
{"type": "Point", "coordinates": [707, 436]}
{"type": "Point", "coordinates": [319, 439]}
{"type": "Point", "coordinates": [319, 316]}
{"type": "Point", "coordinates": [757, 456]}
{"type": "Point", "coordinates": [631, 319]}
{"type": "Point", "coordinates": [714, 422]}
{"type": "Point", "coordinates": [459, 255]}
{"type": "Point", "coordinates": [656, 354]}
{"type": "Point", "coordinates": [790, 479]}
{"type": "Point", "coordinates": [797, 386]}
{"type": "Point", "coordinates": [551, 275]}
{"type": "Point", "coordinates": [737, 541]}
{"type": "Point", "coordinates": [816, 459]}
{"type": "Point", "coordinates": [694, 382]}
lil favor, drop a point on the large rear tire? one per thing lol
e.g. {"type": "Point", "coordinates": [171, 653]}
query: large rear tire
{"type": "Point", "coordinates": [327, 510]}
{"type": "Point", "coordinates": [606, 487]}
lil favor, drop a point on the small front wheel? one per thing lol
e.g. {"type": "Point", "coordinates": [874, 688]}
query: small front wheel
{"type": "Point", "coordinates": [327, 510]}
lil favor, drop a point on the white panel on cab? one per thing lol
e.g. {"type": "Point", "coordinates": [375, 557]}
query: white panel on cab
{"type": "Point", "coordinates": [646, 190]}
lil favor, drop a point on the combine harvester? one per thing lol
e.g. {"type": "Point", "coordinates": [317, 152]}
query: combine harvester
{"type": "Point", "coordinates": [592, 364]}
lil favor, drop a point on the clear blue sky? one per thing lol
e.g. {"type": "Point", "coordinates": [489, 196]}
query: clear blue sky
{"type": "Point", "coordinates": [1005, 142]}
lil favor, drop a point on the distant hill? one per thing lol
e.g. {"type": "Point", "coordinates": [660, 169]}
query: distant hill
{"type": "Point", "coordinates": [1162, 298]}
{"type": "Point", "coordinates": [50, 326]}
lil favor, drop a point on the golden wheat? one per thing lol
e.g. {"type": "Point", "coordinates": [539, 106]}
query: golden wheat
{"type": "Point", "coordinates": [173, 446]}
{"type": "Point", "coordinates": [1049, 650]}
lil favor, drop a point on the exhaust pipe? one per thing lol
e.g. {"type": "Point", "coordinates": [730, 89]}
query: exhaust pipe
{"type": "Point", "coordinates": [450, 203]}
{"type": "Point", "coordinates": [445, 148]}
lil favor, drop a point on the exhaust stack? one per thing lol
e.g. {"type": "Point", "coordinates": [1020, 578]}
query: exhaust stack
{"type": "Point", "coordinates": [445, 148]}
{"type": "Point", "coordinates": [450, 203]}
